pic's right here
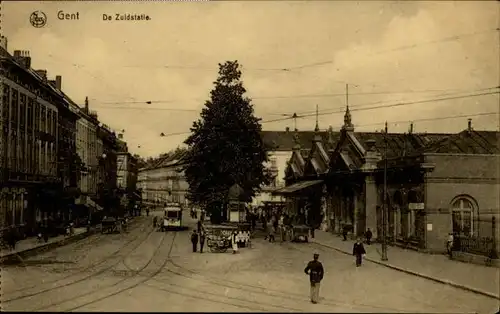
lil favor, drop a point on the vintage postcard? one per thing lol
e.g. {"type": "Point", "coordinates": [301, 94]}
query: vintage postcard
{"type": "Point", "coordinates": [250, 156]}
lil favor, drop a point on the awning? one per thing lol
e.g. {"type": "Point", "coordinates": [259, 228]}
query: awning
{"type": "Point", "coordinates": [297, 187]}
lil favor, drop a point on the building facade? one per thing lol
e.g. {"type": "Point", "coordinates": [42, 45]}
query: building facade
{"type": "Point", "coordinates": [164, 181]}
{"type": "Point", "coordinates": [280, 145]}
{"type": "Point", "coordinates": [126, 180]}
{"type": "Point", "coordinates": [436, 184]}
{"type": "Point", "coordinates": [86, 147]}
{"type": "Point", "coordinates": [30, 119]}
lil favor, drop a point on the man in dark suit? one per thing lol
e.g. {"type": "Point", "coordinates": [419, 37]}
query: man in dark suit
{"type": "Point", "coordinates": [315, 271]}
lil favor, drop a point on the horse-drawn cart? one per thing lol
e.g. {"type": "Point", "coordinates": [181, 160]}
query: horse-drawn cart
{"type": "Point", "coordinates": [111, 225]}
{"type": "Point", "coordinates": [219, 237]}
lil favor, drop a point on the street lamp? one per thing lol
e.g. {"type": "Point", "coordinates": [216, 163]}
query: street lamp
{"type": "Point", "coordinates": [385, 209]}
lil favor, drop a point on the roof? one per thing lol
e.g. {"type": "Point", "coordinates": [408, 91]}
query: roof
{"type": "Point", "coordinates": [467, 142]}
{"type": "Point", "coordinates": [399, 143]}
{"type": "Point", "coordinates": [297, 187]}
{"type": "Point", "coordinates": [167, 160]}
{"type": "Point", "coordinates": [285, 140]}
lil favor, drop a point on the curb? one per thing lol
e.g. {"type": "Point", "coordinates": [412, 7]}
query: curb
{"type": "Point", "coordinates": [442, 281]}
{"type": "Point", "coordinates": [14, 257]}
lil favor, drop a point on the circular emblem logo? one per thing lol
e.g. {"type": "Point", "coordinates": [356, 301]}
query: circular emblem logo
{"type": "Point", "coordinates": [38, 19]}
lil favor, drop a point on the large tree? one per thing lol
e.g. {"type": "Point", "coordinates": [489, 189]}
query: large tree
{"type": "Point", "coordinates": [225, 146]}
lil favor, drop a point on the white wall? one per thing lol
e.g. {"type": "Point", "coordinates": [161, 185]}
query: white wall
{"type": "Point", "coordinates": [281, 158]}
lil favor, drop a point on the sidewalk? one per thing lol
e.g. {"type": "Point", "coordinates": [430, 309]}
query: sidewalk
{"type": "Point", "coordinates": [476, 278]}
{"type": "Point", "coordinates": [33, 244]}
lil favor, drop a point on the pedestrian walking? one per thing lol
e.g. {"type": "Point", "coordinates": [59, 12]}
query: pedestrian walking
{"type": "Point", "coordinates": [368, 236]}
{"type": "Point", "coordinates": [315, 271]}
{"type": "Point", "coordinates": [344, 233]}
{"type": "Point", "coordinates": [194, 240]}
{"type": "Point", "coordinates": [280, 228]}
{"type": "Point", "coordinates": [234, 242]}
{"type": "Point", "coordinates": [358, 250]}
{"type": "Point", "coordinates": [155, 221]}
{"type": "Point", "coordinates": [202, 241]}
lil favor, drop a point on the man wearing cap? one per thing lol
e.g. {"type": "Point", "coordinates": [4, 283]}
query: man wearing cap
{"type": "Point", "coordinates": [315, 271]}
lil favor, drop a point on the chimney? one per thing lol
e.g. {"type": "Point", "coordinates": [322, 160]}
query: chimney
{"type": "Point", "coordinates": [287, 129]}
{"type": "Point", "coordinates": [23, 57]}
{"type": "Point", "coordinates": [411, 128]}
{"type": "Point", "coordinates": [42, 73]}
{"type": "Point", "coordinates": [120, 136]}
{"type": "Point", "coordinates": [469, 125]}
{"type": "Point", "coordinates": [58, 82]}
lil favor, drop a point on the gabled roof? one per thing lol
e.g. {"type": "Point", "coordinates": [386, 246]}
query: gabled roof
{"type": "Point", "coordinates": [467, 142]}
{"type": "Point", "coordinates": [319, 159]}
{"type": "Point", "coordinates": [284, 140]}
{"type": "Point", "coordinates": [297, 162]}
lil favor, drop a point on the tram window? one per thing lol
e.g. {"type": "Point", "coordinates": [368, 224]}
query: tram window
{"type": "Point", "coordinates": [172, 214]}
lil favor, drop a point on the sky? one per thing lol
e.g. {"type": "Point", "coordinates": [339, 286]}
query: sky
{"type": "Point", "coordinates": [400, 61]}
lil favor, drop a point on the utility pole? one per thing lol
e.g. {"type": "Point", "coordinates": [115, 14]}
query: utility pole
{"type": "Point", "coordinates": [347, 94]}
{"type": "Point", "coordinates": [317, 120]}
{"type": "Point", "coordinates": [385, 209]}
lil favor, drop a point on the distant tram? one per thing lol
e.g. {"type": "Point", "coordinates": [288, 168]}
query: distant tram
{"type": "Point", "coordinates": [172, 217]}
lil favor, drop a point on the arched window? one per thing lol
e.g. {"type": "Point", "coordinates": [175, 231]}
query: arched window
{"type": "Point", "coordinates": [463, 216]}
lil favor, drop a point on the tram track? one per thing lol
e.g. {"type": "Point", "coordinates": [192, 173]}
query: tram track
{"type": "Point", "coordinates": [85, 277]}
{"type": "Point", "coordinates": [139, 282]}
{"type": "Point", "coordinates": [270, 292]}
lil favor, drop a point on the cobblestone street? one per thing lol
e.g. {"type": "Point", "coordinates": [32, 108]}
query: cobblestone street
{"type": "Point", "coordinates": [153, 271]}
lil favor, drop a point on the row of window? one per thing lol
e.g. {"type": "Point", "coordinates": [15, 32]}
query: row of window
{"type": "Point", "coordinates": [14, 206]}
{"type": "Point", "coordinates": [25, 112]}
{"type": "Point", "coordinates": [26, 154]}
{"type": "Point", "coordinates": [158, 198]}
{"type": "Point", "coordinates": [170, 184]}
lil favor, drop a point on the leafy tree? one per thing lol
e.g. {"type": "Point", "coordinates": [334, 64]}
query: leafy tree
{"type": "Point", "coordinates": [225, 145]}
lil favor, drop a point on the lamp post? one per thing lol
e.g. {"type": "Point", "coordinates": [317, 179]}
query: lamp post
{"type": "Point", "coordinates": [385, 209]}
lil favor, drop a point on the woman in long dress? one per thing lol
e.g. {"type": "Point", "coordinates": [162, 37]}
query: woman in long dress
{"type": "Point", "coordinates": [234, 243]}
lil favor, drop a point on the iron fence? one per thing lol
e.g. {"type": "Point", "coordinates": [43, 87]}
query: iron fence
{"type": "Point", "coordinates": [474, 245]}
{"type": "Point", "coordinates": [480, 245]}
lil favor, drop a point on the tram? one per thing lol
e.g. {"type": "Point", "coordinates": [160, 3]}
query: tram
{"type": "Point", "coordinates": [172, 217]}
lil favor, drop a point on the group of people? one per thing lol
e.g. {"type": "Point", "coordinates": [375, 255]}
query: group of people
{"type": "Point", "coordinates": [278, 224]}
{"type": "Point", "coordinates": [198, 236]}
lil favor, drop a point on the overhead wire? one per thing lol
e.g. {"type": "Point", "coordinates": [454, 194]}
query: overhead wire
{"type": "Point", "coordinates": [369, 108]}
{"type": "Point", "coordinates": [318, 95]}
{"type": "Point", "coordinates": [285, 114]}
{"type": "Point", "coordinates": [392, 122]}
